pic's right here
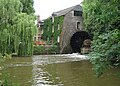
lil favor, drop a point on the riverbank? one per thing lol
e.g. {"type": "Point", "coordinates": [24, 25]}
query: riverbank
{"type": "Point", "coordinates": [46, 49]}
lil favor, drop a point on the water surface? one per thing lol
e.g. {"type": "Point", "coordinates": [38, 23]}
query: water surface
{"type": "Point", "coordinates": [58, 70]}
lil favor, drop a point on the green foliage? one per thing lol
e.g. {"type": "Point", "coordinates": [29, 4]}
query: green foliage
{"type": "Point", "coordinates": [48, 24]}
{"type": "Point", "coordinates": [25, 31]}
{"type": "Point", "coordinates": [102, 21]}
{"type": "Point", "coordinates": [8, 11]}
{"type": "Point", "coordinates": [100, 63]}
{"type": "Point", "coordinates": [39, 49]}
{"type": "Point", "coordinates": [48, 49]}
{"type": "Point", "coordinates": [108, 44]}
{"type": "Point", "coordinates": [47, 33]}
{"type": "Point", "coordinates": [27, 6]}
{"type": "Point", "coordinates": [5, 56]}
{"type": "Point", "coordinates": [57, 20]}
{"type": "Point", "coordinates": [54, 49]}
{"type": "Point", "coordinates": [7, 82]}
{"type": "Point", "coordinates": [101, 15]}
{"type": "Point", "coordinates": [15, 28]}
{"type": "Point", "coordinates": [4, 77]}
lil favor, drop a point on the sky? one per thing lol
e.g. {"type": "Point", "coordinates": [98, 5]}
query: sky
{"type": "Point", "coordinates": [45, 8]}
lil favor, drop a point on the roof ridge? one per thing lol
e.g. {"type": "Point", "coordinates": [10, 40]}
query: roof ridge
{"type": "Point", "coordinates": [67, 8]}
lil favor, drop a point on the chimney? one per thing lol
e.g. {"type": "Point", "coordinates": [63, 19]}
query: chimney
{"type": "Point", "coordinates": [39, 19]}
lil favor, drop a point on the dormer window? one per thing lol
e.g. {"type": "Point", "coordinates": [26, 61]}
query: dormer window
{"type": "Point", "coordinates": [77, 13]}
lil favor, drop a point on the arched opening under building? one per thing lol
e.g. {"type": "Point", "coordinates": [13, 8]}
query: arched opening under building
{"type": "Point", "coordinates": [77, 40]}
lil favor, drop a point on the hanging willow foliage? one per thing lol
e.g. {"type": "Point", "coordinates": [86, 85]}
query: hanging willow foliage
{"type": "Point", "coordinates": [8, 10]}
{"type": "Point", "coordinates": [25, 29]}
{"type": "Point", "coordinates": [16, 29]}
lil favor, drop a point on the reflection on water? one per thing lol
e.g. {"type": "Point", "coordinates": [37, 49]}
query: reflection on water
{"type": "Point", "coordinates": [58, 70]}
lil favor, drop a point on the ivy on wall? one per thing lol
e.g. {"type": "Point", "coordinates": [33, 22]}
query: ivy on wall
{"type": "Point", "coordinates": [48, 25]}
{"type": "Point", "coordinates": [25, 31]}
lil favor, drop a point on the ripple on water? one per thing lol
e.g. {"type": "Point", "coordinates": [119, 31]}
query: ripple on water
{"type": "Point", "coordinates": [57, 70]}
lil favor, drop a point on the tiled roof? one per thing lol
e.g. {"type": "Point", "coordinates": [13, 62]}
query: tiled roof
{"type": "Point", "coordinates": [65, 11]}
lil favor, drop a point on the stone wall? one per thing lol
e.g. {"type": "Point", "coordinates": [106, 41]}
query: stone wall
{"type": "Point", "coordinates": [69, 28]}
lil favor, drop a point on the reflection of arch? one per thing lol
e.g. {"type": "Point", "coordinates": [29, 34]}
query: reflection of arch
{"type": "Point", "coordinates": [77, 40]}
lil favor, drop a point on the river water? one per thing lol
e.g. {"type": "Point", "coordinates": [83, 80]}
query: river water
{"type": "Point", "coordinates": [58, 70]}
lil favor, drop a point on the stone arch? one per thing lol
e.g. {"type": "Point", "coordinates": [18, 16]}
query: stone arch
{"type": "Point", "coordinates": [77, 40]}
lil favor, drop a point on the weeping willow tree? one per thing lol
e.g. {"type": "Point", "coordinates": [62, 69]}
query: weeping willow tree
{"type": "Point", "coordinates": [25, 29]}
{"type": "Point", "coordinates": [27, 6]}
{"type": "Point", "coordinates": [16, 29]}
{"type": "Point", "coordinates": [8, 10]}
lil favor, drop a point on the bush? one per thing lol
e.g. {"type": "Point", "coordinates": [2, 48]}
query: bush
{"type": "Point", "coordinates": [7, 82]}
{"type": "Point", "coordinates": [46, 49]}
{"type": "Point", "coordinates": [102, 21]}
{"type": "Point", "coordinates": [5, 79]}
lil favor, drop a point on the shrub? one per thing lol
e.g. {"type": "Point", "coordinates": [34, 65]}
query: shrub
{"type": "Point", "coordinates": [46, 49]}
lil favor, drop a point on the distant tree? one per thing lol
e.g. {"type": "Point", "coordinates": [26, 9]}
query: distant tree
{"type": "Point", "coordinates": [27, 6]}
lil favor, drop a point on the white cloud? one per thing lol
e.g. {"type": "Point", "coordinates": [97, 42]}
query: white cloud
{"type": "Point", "coordinates": [46, 7]}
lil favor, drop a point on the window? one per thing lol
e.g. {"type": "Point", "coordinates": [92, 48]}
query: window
{"type": "Point", "coordinates": [34, 38]}
{"type": "Point", "coordinates": [48, 29]}
{"type": "Point", "coordinates": [78, 25]}
{"type": "Point", "coordinates": [38, 25]}
{"type": "Point", "coordinates": [58, 27]}
{"type": "Point", "coordinates": [42, 31]}
{"type": "Point", "coordinates": [39, 34]}
{"type": "Point", "coordinates": [53, 28]}
{"type": "Point", "coordinates": [39, 38]}
{"type": "Point", "coordinates": [77, 13]}
{"type": "Point", "coordinates": [58, 39]}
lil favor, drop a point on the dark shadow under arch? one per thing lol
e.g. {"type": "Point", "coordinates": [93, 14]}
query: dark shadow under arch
{"type": "Point", "coordinates": [77, 40]}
